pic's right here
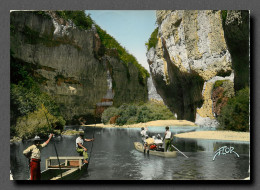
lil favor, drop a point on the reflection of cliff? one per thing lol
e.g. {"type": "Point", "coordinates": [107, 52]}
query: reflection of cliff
{"type": "Point", "coordinates": [192, 55]}
{"type": "Point", "coordinates": [64, 59]}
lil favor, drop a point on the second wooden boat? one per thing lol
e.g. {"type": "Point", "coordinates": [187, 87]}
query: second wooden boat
{"type": "Point", "coordinates": [140, 147]}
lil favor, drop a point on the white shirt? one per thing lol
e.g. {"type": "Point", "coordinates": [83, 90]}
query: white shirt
{"type": "Point", "coordinates": [143, 133]}
{"type": "Point", "coordinates": [79, 140]}
{"type": "Point", "coordinates": [168, 134]}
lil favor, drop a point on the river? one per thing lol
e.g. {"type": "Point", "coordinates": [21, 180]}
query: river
{"type": "Point", "coordinates": [113, 157]}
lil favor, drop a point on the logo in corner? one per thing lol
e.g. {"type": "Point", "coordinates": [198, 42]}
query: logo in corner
{"type": "Point", "coordinates": [225, 150]}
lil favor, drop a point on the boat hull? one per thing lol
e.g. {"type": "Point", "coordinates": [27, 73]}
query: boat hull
{"type": "Point", "coordinates": [139, 147]}
{"type": "Point", "coordinates": [67, 173]}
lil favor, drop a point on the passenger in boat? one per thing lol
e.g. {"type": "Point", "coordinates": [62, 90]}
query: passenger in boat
{"type": "Point", "coordinates": [158, 142]}
{"type": "Point", "coordinates": [80, 148]}
{"type": "Point", "coordinates": [167, 139]}
{"type": "Point", "coordinates": [148, 142]}
{"type": "Point", "coordinates": [33, 153]}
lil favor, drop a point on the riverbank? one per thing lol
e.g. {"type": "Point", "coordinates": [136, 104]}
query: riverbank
{"type": "Point", "coordinates": [72, 132]}
{"type": "Point", "coordinates": [157, 123]}
{"type": "Point", "coordinates": [217, 135]}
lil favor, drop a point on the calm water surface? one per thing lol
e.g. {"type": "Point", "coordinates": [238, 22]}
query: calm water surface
{"type": "Point", "coordinates": [113, 157]}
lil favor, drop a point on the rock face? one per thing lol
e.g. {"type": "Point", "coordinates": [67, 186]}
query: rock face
{"type": "Point", "coordinates": [64, 57]}
{"type": "Point", "coordinates": [152, 93]}
{"type": "Point", "coordinates": [236, 30]}
{"type": "Point", "coordinates": [191, 55]}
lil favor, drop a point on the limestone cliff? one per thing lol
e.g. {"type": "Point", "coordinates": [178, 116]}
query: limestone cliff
{"type": "Point", "coordinates": [190, 56]}
{"type": "Point", "coordinates": [65, 60]}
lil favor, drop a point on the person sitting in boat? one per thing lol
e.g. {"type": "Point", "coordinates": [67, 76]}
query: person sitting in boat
{"type": "Point", "coordinates": [148, 142]}
{"type": "Point", "coordinates": [80, 148]}
{"type": "Point", "coordinates": [33, 153]}
{"type": "Point", "coordinates": [167, 139]}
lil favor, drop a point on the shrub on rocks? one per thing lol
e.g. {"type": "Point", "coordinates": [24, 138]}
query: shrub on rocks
{"type": "Point", "coordinates": [235, 115]}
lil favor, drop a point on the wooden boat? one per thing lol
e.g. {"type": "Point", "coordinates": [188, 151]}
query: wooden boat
{"type": "Point", "coordinates": [140, 147]}
{"type": "Point", "coordinates": [71, 169]}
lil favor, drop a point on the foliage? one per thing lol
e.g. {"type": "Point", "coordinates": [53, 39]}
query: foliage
{"type": "Point", "coordinates": [110, 43]}
{"type": "Point", "coordinates": [153, 40]}
{"type": "Point", "coordinates": [235, 115]}
{"type": "Point", "coordinates": [42, 13]}
{"type": "Point", "coordinates": [26, 97]}
{"type": "Point", "coordinates": [24, 104]}
{"type": "Point", "coordinates": [134, 113]}
{"type": "Point", "coordinates": [72, 132]}
{"type": "Point", "coordinates": [36, 123]}
{"type": "Point", "coordinates": [108, 113]}
{"type": "Point", "coordinates": [224, 15]}
{"type": "Point", "coordinates": [227, 85]}
{"type": "Point", "coordinates": [79, 18]}
{"type": "Point", "coordinates": [218, 83]}
{"type": "Point", "coordinates": [83, 21]}
{"type": "Point", "coordinates": [24, 100]}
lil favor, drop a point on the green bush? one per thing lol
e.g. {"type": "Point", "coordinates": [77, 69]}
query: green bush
{"type": "Point", "coordinates": [110, 43]}
{"type": "Point", "coordinates": [153, 40]}
{"type": "Point", "coordinates": [79, 18]}
{"type": "Point", "coordinates": [24, 100]}
{"type": "Point", "coordinates": [218, 83]}
{"type": "Point", "coordinates": [39, 122]}
{"type": "Point", "coordinates": [235, 115]}
{"type": "Point", "coordinates": [224, 15]}
{"type": "Point", "coordinates": [26, 97]}
{"type": "Point", "coordinates": [108, 113]}
{"type": "Point", "coordinates": [133, 113]}
{"type": "Point", "coordinates": [132, 120]}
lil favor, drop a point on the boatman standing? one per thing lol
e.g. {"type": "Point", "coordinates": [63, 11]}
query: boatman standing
{"type": "Point", "coordinates": [80, 148]}
{"type": "Point", "coordinates": [167, 138]}
{"type": "Point", "coordinates": [33, 153]}
{"type": "Point", "coordinates": [143, 134]}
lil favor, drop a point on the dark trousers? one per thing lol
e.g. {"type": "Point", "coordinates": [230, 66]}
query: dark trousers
{"type": "Point", "coordinates": [167, 144]}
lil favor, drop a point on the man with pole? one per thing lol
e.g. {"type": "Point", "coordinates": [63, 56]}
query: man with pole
{"type": "Point", "coordinates": [167, 139]}
{"type": "Point", "coordinates": [33, 153]}
{"type": "Point", "coordinates": [80, 148]}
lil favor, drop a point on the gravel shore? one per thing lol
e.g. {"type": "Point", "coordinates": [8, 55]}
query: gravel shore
{"type": "Point", "coordinates": [210, 135]}
{"type": "Point", "coordinates": [156, 123]}
{"type": "Point", "coordinates": [217, 135]}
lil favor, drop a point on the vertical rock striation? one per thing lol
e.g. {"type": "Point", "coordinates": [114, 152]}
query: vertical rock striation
{"type": "Point", "coordinates": [191, 55]}
{"type": "Point", "coordinates": [65, 58]}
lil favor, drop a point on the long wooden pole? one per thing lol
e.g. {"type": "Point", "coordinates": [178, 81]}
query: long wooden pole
{"type": "Point", "coordinates": [180, 151]}
{"type": "Point", "coordinates": [93, 138]}
{"type": "Point", "coordinates": [54, 147]}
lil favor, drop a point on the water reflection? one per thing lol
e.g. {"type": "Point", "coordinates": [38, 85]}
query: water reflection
{"type": "Point", "coordinates": [113, 157]}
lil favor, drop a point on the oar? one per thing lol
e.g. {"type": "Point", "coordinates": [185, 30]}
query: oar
{"type": "Point", "coordinates": [54, 146]}
{"type": "Point", "coordinates": [180, 151]}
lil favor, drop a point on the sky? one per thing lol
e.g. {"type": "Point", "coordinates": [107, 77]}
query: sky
{"type": "Point", "coordinates": [131, 28]}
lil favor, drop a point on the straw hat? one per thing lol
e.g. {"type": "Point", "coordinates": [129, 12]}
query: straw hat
{"type": "Point", "coordinates": [37, 138]}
